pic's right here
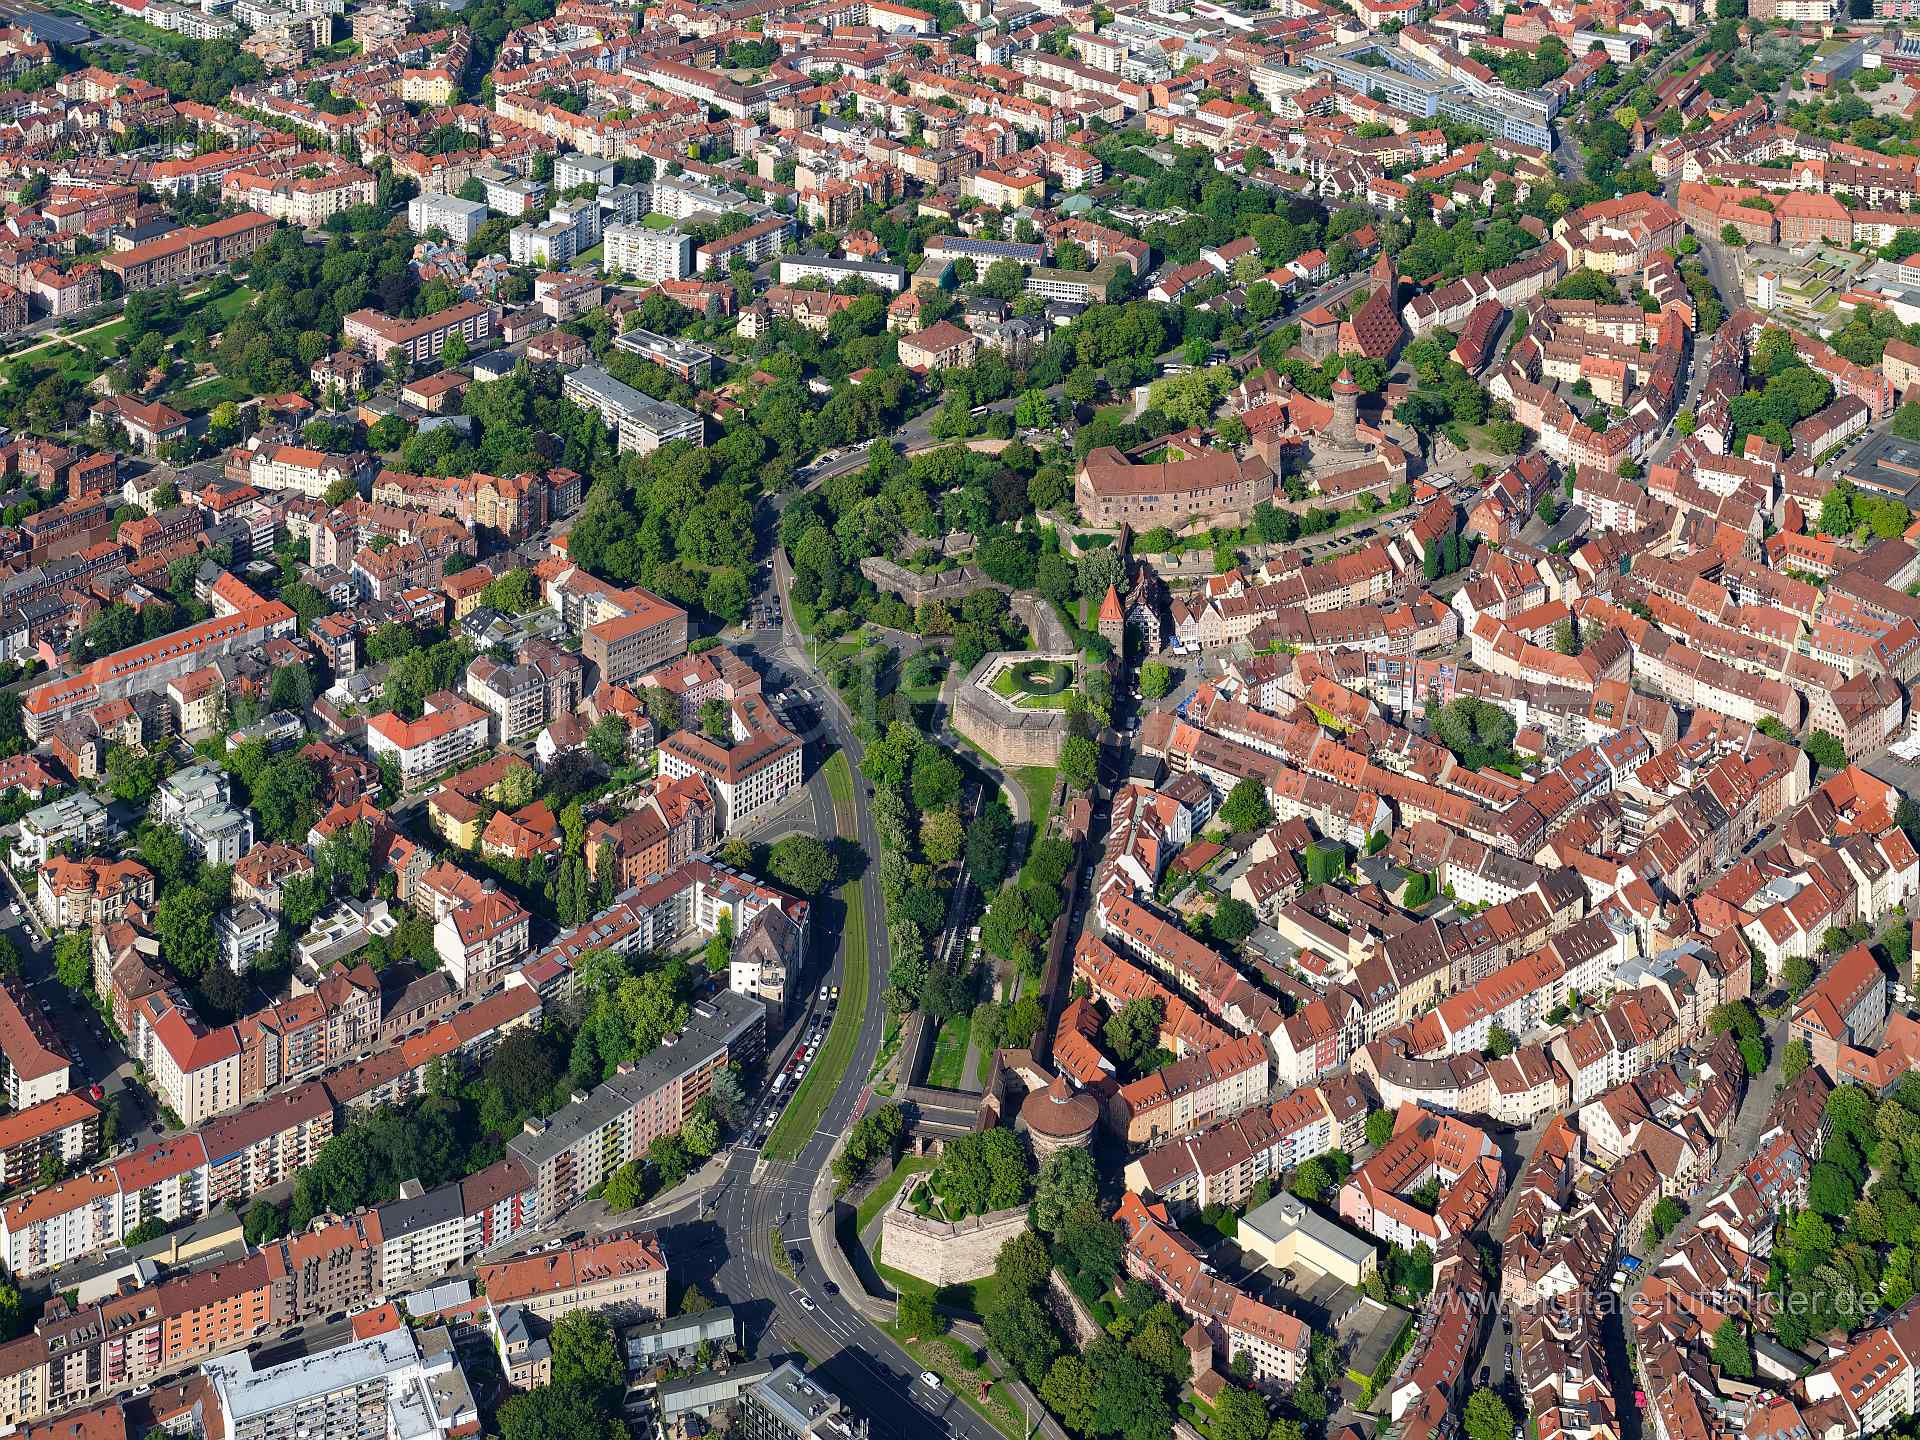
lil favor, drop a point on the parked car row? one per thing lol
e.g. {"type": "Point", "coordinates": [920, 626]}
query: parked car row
{"type": "Point", "coordinates": [787, 1080]}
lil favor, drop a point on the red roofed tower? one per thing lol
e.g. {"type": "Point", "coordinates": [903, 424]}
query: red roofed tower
{"type": "Point", "coordinates": [1112, 624]}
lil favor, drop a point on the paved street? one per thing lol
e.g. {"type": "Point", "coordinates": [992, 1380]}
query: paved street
{"type": "Point", "coordinates": [722, 1244]}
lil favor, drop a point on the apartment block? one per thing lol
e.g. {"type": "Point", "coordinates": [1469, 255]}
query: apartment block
{"type": "Point", "coordinates": [578, 1146]}
{"type": "Point", "coordinates": [187, 255]}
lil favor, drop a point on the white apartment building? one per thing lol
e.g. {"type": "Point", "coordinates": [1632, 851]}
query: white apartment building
{"type": "Point", "coordinates": [461, 219]}
{"type": "Point", "coordinates": [512, 194]}
{"type": "Point", "coordinates": [553, 244]}
{"type": "Point", "coordinates": [186, 791]}
{"type": "Point", "coordinates": [219, 834]}
{"type": "Point", "coordinates": [680, 197]}
{"type": "Point", "coordinates": [78, 820]}
{"type": "Point", "coordinates": [258, 14]}
{"type": "Point", "coordinates": [244, 931]}
{"type": "Point", "coordinates": [573, 170]}
{"type": "Point", "coordinates": [549, 244]}
{"type": "Point", "coordinates": [449, 731]}
{"type": "Point", "coordinates": [388, 1385]}
{"type": "Point", "coordinates": [195, 1071]}
{"type": "Point", "coordinates": [57, 1224]}
{"type": "Point", "coordinates": [647, 254]}
{"type": "Point", "coordinates": [47, 1228]}
{"type": "Point", "coordinates": [423, 1234]}
{"type": "Point", "coordinates": [480, 938]}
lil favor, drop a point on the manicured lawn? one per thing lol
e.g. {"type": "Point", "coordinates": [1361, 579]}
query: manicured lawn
{"type": "Point", "coordinates": [71, 359]}
{"type": "Point", "coordinates": [883, 1193]}
{"type": "Point", "coordinates": [102, 341]}
{"type": "Point", "coordinates": [949, 1053]}
{"type": "Point", "coordinates": [1037, 781]}
{"type": "Point", "coordinates": [228, 305]}
{"type": "Point", "coordinates": [113, 23]}
{"type": "Point", "coordinates": [202, 396]}
{"type": "Point", "coordinates": [971, 1298]}
{"type": "Point", "coordinates": [921, 694]}
{"type": "Point", "coordinates": [802, 1116]}
{"type": "Point", "coordinates": [1034, 685]}
{"type": "Point", "coordinates": [657, 222]}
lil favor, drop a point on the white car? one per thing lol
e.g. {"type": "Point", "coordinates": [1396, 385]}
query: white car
{"type": "Point", "coordinates": [929, 1379]}
{"type": "Point", "coordinates": [806, 1303]}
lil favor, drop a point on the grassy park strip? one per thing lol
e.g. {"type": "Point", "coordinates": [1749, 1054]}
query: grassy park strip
{"type": "Point", "coordinates": [829, 1067]}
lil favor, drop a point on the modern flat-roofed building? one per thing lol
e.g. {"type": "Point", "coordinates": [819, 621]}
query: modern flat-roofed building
{"type": "Point", "coordinates": [551, 243]}
{"type": "Point", "coordinates": [512, 194]}
{"type": "Point", "coordinates": [881, 276]}
{"type": "Point", "coordinates": [647, 254]}
{"type": "Point", "coordinates": [984, 252]}
{"type": "Point", "coordinates": [1286, 1232]}
{"type": "Point", "coordinates": [788, 1405]}
{"type": "Point", "coordinates": [571, 170]}
{"type": "Point", "coordinates": [679, 359]}
{"type": "Point", "coordinates": [644, 1344]}
{"type": "Point", "coordinates": [579, 1145]}
{"type": "Point", "coordinates": [76, 820]}
{"type": "Point", "coordinates": [461, 219]}
{"type": "Point", "coordinates": [642, 423]}
{"type": "Point", "coordinates": [1389, 72]}
{"type": "Point", "coordinates": [219, 834]}
{"type": "Point", "coordinates": [389, 1386]}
